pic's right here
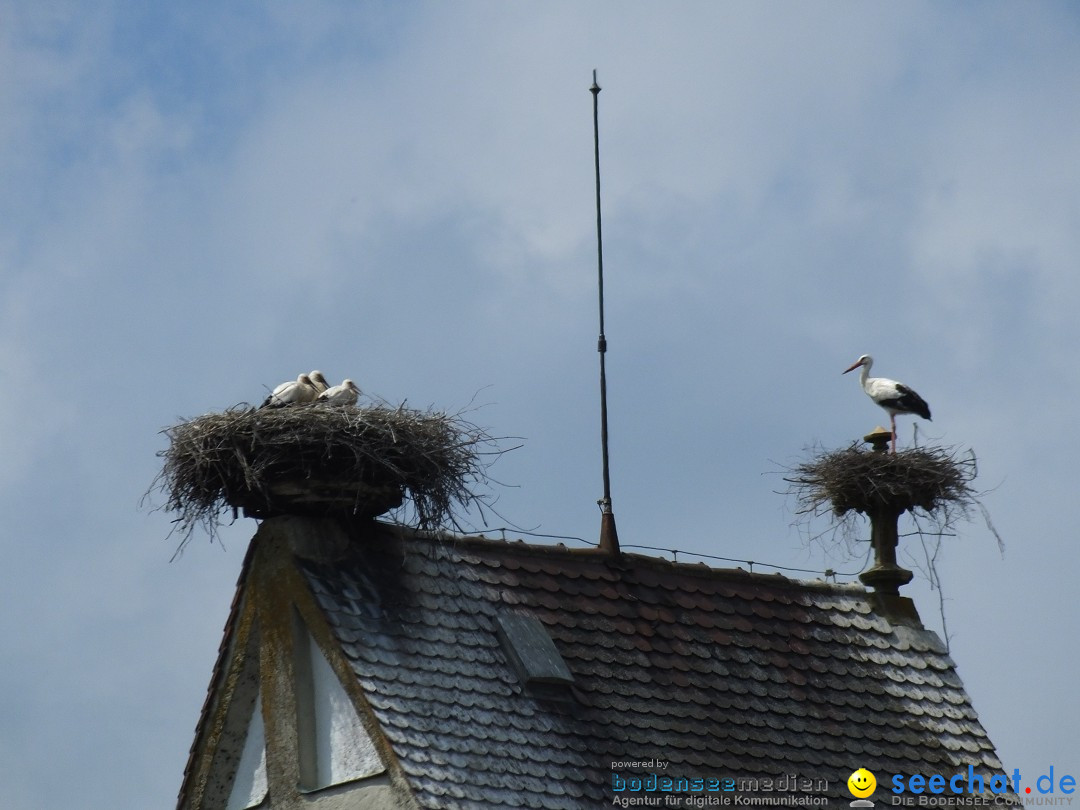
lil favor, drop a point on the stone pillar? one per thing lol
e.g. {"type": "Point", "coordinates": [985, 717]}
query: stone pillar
{"type": "Point", "coordinates": [886, 576]}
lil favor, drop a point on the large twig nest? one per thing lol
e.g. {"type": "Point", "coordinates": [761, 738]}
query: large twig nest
{"type": "Point", "coordinates": [932, 484]}
{"type": "Point", "coordinates": [316, 459]}
{"type": "Point", "coordinates": [930, 479]}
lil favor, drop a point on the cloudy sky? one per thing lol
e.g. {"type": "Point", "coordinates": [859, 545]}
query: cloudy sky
{"type": "Point", "coordinates": [203, 199]}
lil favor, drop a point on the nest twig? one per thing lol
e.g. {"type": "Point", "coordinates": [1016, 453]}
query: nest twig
{"type": "Point", "coordinates": [930, 479]}
{"type": "Point", "coordinates": [367, 459]}
{"type": "Point", "coordinates": [931, 483]}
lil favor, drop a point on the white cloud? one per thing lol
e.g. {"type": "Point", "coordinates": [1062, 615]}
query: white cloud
{"type": "Point", "coordinates": [406, 197]}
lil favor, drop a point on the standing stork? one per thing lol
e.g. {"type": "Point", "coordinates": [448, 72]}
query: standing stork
{"type": "Point", "coordinates": [895, 398]}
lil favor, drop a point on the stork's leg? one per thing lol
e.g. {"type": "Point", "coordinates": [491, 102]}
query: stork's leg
{"type": "Point", "coordinates": [892, 423]}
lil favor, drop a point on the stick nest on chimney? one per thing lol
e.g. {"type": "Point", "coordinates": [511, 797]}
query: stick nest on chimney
{"type": "Point", "coordinates": [931, 479]}
{"type": "Point", "coordinates": [317, 459]}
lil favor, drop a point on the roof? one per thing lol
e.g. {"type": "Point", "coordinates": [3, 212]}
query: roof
{"type": "Point", "coordinates": [717, 673]}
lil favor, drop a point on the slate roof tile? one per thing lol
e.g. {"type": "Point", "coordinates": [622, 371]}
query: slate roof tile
{"type": "Point", "coordinates": [715, 672]}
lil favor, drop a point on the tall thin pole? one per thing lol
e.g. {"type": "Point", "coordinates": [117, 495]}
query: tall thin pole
{"type": "Point", "coordinates": [609, 538]}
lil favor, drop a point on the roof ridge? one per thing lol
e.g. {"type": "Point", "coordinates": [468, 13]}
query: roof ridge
{"type": "Point", "coordinates": [623, 562]}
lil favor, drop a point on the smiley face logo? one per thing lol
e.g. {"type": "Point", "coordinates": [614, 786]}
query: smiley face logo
{"type": "Point", "coordinates": [861, 783]}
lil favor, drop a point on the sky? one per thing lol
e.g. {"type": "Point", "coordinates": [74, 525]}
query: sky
{"type": "Point", "coordinates": [202, 200]}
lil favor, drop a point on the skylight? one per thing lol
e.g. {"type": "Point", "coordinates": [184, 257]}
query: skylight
{"type": "Point", "coordinates": [531, 650]}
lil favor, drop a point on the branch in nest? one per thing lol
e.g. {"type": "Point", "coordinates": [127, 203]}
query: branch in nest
{"type": "Point", "coordinates": [930, 479]}
{"type": "Point", "coordinates": [360, 459]}
{"type": "Point", "coordinates": [933, 481]}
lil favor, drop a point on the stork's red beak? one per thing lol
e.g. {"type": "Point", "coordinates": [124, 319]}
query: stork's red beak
{"type": "Point", "coordinates": [857, 364]}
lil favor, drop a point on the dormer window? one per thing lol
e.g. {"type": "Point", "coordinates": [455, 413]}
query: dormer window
{"type": "Point", "coordinates": [534, 655]}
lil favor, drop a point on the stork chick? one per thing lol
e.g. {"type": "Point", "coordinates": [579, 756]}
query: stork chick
{"type": "Point", "coordinates": [345, 394]}
{"type": "Point", "coordinates": [293, 392]}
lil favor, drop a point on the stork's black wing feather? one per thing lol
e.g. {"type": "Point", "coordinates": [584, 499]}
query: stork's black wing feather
{"type": "Point", "coordinates": [911, 402]}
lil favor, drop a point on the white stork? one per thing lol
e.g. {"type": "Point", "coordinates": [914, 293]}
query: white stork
{"type": "Point", "coordinates": [895, 398]}
{"type": "Point", "coordinates": [293, 392]}
{"type": "Point", "coordinates": [344, 394]}
{"type": "Point", "coordinates": [319, 381]}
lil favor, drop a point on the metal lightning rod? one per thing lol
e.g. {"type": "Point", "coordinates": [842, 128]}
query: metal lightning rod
{"type": "Point", "coordinates": [609, 537]}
